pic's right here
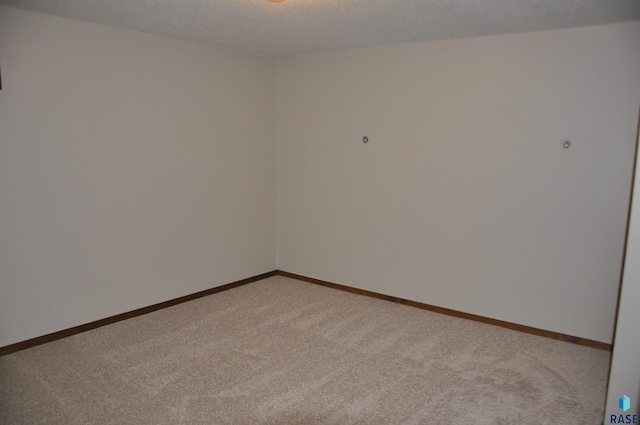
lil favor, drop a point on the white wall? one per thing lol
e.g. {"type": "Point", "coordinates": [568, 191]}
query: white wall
{"type": "Point", "coordinates": [136, 168]}
{"type": "Point", "coordinates": [463, 198]}
{"type": "Point", "coordinates": [624, 377]}
{"type": "Point", "coordinates": [133, 169]}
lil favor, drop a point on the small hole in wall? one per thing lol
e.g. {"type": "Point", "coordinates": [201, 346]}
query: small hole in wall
{"type": "Point", "coordinates": [365, 139]}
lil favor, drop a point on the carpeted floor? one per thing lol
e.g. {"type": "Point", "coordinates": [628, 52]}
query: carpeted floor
{"type": "Point", "coordinates": [280, 351]}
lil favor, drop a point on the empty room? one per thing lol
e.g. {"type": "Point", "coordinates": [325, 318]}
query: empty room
{"type": "Point", "coordinates": [319, 212]}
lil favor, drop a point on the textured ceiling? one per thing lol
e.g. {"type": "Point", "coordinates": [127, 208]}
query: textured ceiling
{"type": "Point", "coordinates": [304, 26]}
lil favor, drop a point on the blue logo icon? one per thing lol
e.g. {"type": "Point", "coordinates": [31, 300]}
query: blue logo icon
{"type": "Point", "coordinates": [624, 403]}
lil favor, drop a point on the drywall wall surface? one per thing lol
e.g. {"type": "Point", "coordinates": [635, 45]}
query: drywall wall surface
{"type": "Point", "coordinates": [624, 376]}
{"type": "Point", "coordinates": [463, 196]}
{"type": "Point", "coordinates": [133, 169]}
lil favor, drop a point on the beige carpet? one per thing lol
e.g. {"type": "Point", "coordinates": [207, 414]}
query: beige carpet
{"type": "Point", "coordinates": [280, 351]}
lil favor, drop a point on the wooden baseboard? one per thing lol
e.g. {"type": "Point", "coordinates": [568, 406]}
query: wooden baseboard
{"type": "Point", "coordinates": [513, 326]}
{"type": "Point", "coordinates": [139, 312]}
{"type": "Point", "coordinates": [119, 317]}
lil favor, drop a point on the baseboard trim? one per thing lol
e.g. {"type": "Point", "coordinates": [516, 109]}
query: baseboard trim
{"type": "Point", "coordinates": [23, 345]}
{"type": "Point", "coordinates": [508, 325]}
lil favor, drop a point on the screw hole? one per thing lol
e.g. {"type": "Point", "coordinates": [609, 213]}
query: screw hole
{"type": "Point", "coordinates": [365, 139]}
